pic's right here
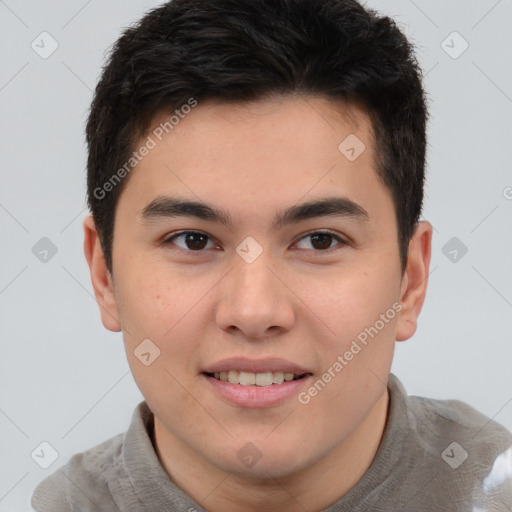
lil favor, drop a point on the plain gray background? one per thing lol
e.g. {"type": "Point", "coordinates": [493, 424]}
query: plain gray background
{"type": "Point", "coordinates": [65, 379]}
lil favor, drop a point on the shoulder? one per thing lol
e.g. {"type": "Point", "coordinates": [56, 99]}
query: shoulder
{"type": "Point", "coordinates": [447, 452]}
{"type": "Point", "coordinates": [82, 483]}
{"type": "Point", "coordinates": [472, 452]}
{"type": "Point", "coordinates": [460, 422]}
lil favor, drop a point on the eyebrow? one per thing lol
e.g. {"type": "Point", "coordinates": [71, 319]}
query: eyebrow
{"type": "Point", "coordinates": [172, 207]}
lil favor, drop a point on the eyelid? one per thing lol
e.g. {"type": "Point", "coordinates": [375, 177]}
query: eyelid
{"type": "Point", "coordinates": [342, 241]}
{"type": "Point", "coordinates": [167, 239]}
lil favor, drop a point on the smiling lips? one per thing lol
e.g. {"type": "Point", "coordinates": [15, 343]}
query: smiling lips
{"type": "Point", "coordinates": [254, 389]}
{"type": "Point", "coordinates": [263, 372]}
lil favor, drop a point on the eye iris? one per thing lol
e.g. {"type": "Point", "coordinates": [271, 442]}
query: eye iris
{"type": "Point", "coordinates": [325, 240]}
{"type": "Point", "coordinates": [191, 238]}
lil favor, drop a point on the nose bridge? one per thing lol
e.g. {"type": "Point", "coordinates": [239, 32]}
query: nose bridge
{"type": "Point", "coordinates": [253, 299]}
{"type": "Point", "coordinates": [253, 284]}
{"type": "Point", "coordinates": [251, 272]}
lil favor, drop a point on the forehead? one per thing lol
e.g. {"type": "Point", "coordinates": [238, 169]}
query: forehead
{"type": "Point", "coordinates": [292, 121]}
{"type": "Point", "coordinates": [257, 154]}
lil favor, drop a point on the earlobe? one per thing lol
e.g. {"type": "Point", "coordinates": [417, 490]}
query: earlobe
{"type": "Point", "coordinates": [415, 280]}
{"type": "Point", "coordinates": [100, 276]}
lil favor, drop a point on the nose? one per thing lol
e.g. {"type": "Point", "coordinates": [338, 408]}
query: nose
{"type": "Point", "coordinates": [255, 301]}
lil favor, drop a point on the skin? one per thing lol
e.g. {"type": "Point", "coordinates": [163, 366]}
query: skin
{"type": "Point", "coordinates": [296, 301]}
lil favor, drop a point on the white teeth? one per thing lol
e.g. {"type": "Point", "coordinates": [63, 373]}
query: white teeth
{"type": "Point", "coordinates": [247, 378]}
{"type": "Point", "coordinates": [264, 379]}
{"type": "Point", "coordinates": [250, 379]}
{"type": "Point", "coordinates": [278, 377]}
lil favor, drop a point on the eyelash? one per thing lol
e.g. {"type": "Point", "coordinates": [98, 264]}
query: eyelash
{"type": "Point", "coordinates": [341, 241]}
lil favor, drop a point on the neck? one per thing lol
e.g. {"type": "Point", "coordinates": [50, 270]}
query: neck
{"type": "Point", "coordinates": [314, 488]}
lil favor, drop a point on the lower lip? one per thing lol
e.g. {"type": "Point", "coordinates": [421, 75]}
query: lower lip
{"type": "Point", "coordinates": [256, 396]}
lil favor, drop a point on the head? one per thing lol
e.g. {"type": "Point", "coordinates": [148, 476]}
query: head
{"type": "Point", "coordinates": [300, 126]}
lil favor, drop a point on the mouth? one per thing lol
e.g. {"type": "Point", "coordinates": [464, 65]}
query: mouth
{"type": "Point", "coordinates": [263, 379]}
{"type": "Point", "coordinates": [255, 383]}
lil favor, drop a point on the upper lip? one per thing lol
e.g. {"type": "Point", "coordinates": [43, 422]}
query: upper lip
{"type": "Point", "coordinates": [256, 366]}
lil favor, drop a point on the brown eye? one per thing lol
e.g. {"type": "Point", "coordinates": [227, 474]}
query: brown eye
{"type": "Point", "coordinates": [195, 241]}
{"type": "Point", "coordinates": [321, 241]}
{"type": "Point", "coordinates": [192, 240]}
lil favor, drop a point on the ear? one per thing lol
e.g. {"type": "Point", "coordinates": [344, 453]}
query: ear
{"type": "Point", "coordinates": [100, 276]}
{"type": "Point", "coordinates": [414, 281]}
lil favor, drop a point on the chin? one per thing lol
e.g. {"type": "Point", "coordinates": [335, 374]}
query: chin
{"type": "Point", "coordinates": [262, 470]}
{"type": "Point", "coordinates": [261, 460]}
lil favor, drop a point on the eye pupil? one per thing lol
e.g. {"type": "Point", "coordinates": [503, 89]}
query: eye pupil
{"type": "Point", "coordinates": [192, 238]}
{"type": "Point", "coordinates": [325, 240]}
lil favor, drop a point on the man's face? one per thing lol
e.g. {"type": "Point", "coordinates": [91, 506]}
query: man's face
{"type": "Point", "coordinates": [255, 291]}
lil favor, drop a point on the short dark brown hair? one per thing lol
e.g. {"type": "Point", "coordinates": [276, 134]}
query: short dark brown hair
{"type": "Point", "coordinates": [243, 50]}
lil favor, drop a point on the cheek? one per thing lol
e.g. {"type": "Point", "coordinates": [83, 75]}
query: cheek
{"type": "Point", "coordinates": [155, 310]}
{"type": "Point", "coordinates": [162, 311]}
{"type": "Point", "coordinates": [361, 309]}
{"type": "Point", "coordinates": [354, 302]}
{"type": "Point", "coordinates": [147, 300]}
